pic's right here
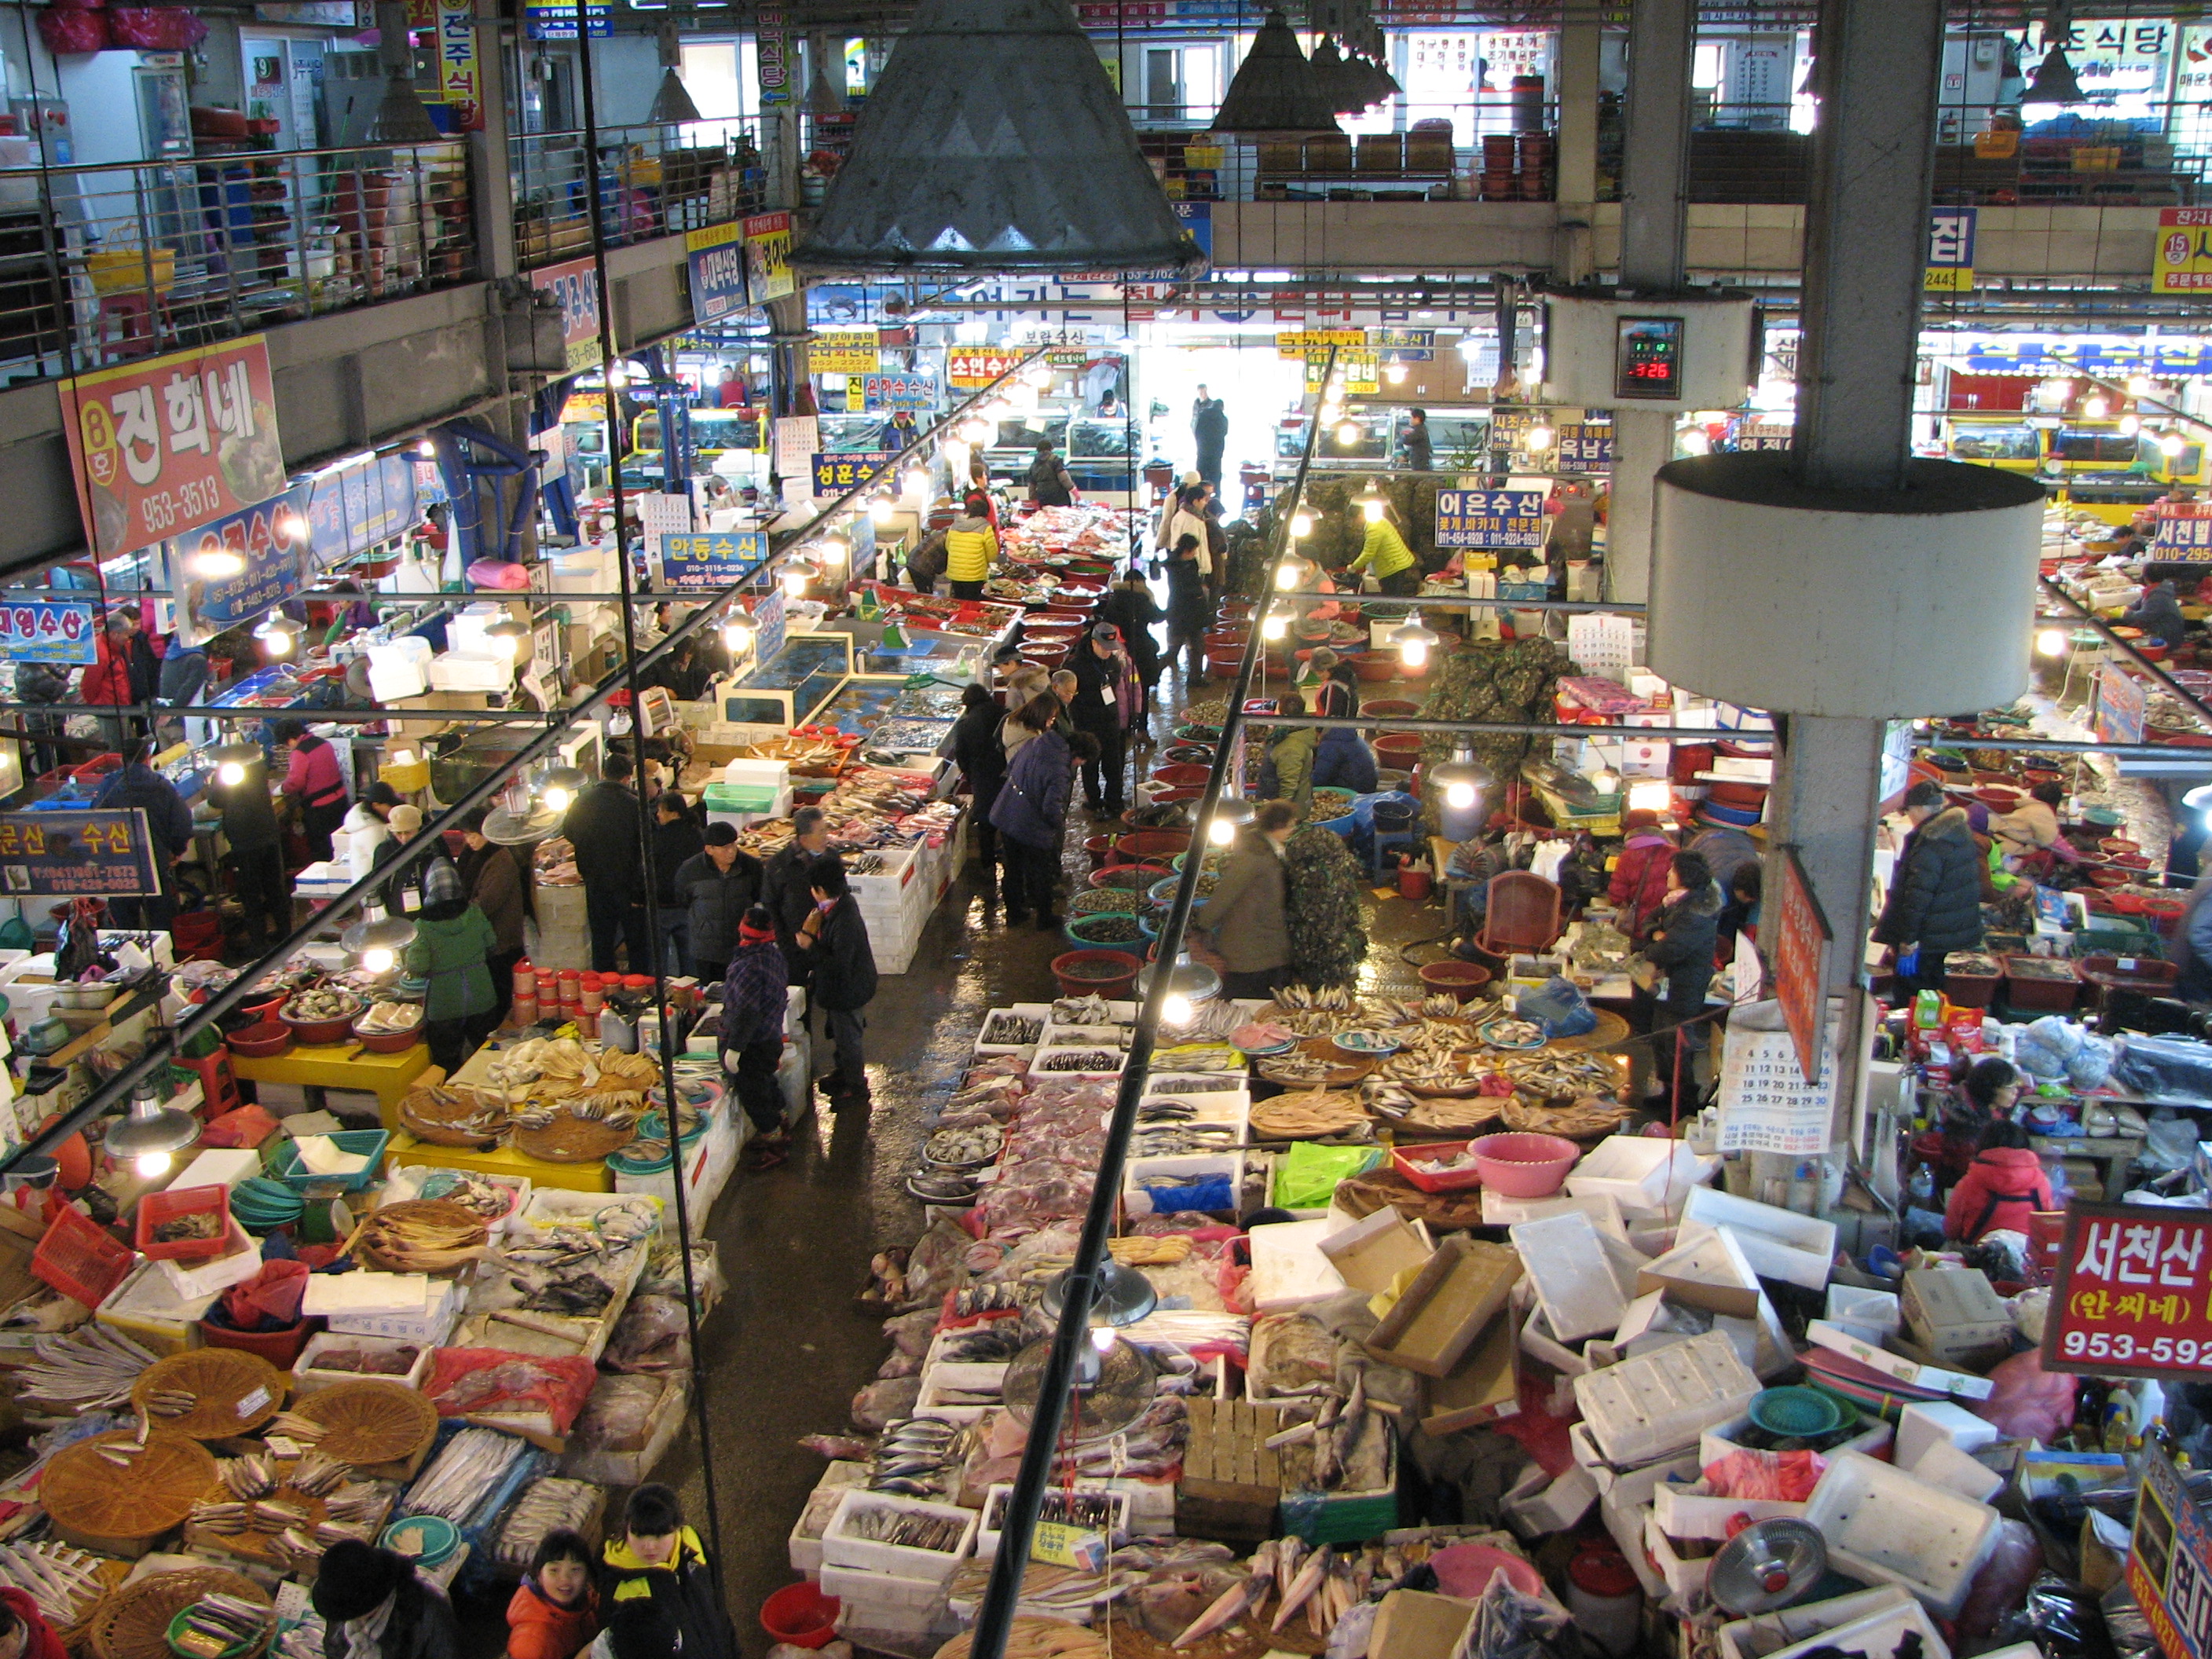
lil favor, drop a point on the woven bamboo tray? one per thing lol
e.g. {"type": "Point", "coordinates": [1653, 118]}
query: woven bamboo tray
{"type": "Point", "coordinates": [1268, 1116]}
{"type": "Point", "coordinates": [1341, 1073]}
{"type": "Point", "coordinates": [237, 1391]}
{"type": "Point", "coordinates": [1029, 1634]}
{"type": "Point", "coordinates": [134, 1622]}
{"type": "Point", "coordinates": [92, 1501]}
{"type": "Point", "coordinates": [74, 1635]}
{"type": "Point", "coordinates": [430, 1115]}
{"type": "Point", "coordinates": [571, 1140]}
{"type": "Point", "coordinates": [1610, 1032]}
{"type": "Point", "coordinates": [370, 1421]}
{"type": "Point", "coordinates": [463, 1228]}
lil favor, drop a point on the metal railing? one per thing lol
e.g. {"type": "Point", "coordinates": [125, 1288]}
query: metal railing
{"type": "Point", "coordinates": [98, 264]}
{"type": "Point", "coordinates": [653, 181]}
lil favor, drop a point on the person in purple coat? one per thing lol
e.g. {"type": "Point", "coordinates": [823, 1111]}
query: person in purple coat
{"type": "Point", "coordinates": [1031, 811]}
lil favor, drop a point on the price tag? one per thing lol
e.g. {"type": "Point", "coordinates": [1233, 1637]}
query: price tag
{"type": "Point", "coordinates": [285, 1448]}
{"type": "Point", "coordinates": [1059, 1545]}
{"type": "Point", "coordinates": [253, 1402]}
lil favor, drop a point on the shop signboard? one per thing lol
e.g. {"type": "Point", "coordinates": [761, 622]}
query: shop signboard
{"type": "Point", "coordinates": [1583, 447]}
{"type": "Point", "coordinates": [1409, 345]}
{"type": "Point", "coordinates": [276, 537]}
{"type": "Point", "coordinates": [575, 289]}
{"type": "Point", "coordinates": [771, 623]}
{"type": "Point", "coordinates": [978, 366]}
{"type": "Point", "coordinates": [170, 441]}
{"type": "Point", "coordinates": [556, 20]}
{"type": "Point", "coordinates": [771, 29]}
{"type": "Point", "coordinates": [2170, 357]}
{"type": "Point", "coordinates": [1359, 370]}
{"type": "Point", "coordinates": [2184, 533]}
{"type": "Point", "coordinates": [2120, 699]}
{"type": "Point", "coordinates": [2169, 1569]}
{"type": "Point", "coordinates": [1800, 963]}
{"type": "Point", "coordinates": [845, 351]}
{"type": "Point", "coordinates": [889, 389]}
{"type": "Point", "coordinates": [715, 261]}
{"type": "Point", "coordinates": [47, 630]}
{"type": "Point", "coordinates": [2130, 1298]}
{"type": "Point", "coordinates": [1950, 250]}
{"type": "Point", "coordinates": [767, 258]}
{"type": "Point", "coordinates": [834, 474]}
{"type": "Point", "coordinates": [1490, 517]}
{"type": "Point", "coordinates": [1311, 342]}
{"type": "Point", "coordinates": [105, 853]}
{"type": "Point", "coordinates": [354, 507]}
{"type": "Point", "coordinates": [2184, 263]}
{"type": "Point", "coordinates": [856, 396]}
{"type": "Point", "coordinates": [458, 82]}
{"type": "Point", "coordinates": [712, 561]}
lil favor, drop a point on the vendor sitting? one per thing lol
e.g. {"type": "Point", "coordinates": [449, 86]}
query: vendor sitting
{"type": "Point", "coordinates": [2004, 1187]}
{"type": "Point", "coordinates": [2157, 613]}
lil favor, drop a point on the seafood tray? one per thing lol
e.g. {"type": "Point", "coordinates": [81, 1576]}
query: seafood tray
{"type": "Point", "coordinates": [1086, 1036]}
{"type": "Point", "coordinates": [933, 702]}
{"type": "Point", "coordinates": [1079, 1062]}
{"type": "Point", "coordinates": [536, 1295]}
{"type": "Point", "coordinates": [910, 737]}
{"type": "Point", "coordinates": [1088, 1505]}
{"type": "Point", "coordinates": [332, 1358]}
{"type": "Point", "coordinates": [959, 1393]}
{"type": "Point", "coordinates": [1021, 1026]}
{"type": "Point", "coordinates": [940, 1534]}
{"type": "Point", "coordinates": [963, 1149]}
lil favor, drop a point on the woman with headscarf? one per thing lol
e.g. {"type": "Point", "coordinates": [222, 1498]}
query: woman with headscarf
{"type": "Point", "coordinates": [452, 944]}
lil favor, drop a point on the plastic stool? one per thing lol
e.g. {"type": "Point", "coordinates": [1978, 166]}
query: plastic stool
{"type": "Point", "coordinates": [133, 311]}
{"type": "Point", "coordinates": [1387, 839]}
{"type": "Point", "coordinates": [218, 1083]}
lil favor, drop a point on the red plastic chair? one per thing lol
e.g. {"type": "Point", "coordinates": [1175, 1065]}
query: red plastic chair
{"type": "Point", "coordinates": [1522, 913]}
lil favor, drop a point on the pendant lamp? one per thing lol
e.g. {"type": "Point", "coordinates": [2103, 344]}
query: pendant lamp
{"type": "Point", "coordinates": [2053, 82]}
{"type": "Point", "coordinates": [400, 117]}
{"type": "Point", "coordinates": [1381, 83]}
{"type": "Point", "coordinates": [671, 103]}
{"type": "Point", "coordinates": [1345, 87]}
{"type": "Point", "coordinates": [1276, 93]}
{"type": "Point", "coordinates": [993, 141]}
{"type": "Point", "coordinates": [824, 95]}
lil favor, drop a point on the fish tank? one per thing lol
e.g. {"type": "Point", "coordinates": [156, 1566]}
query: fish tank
{"type": "Point", "coordinates": [861, 706]}
{"type": "Point", "coordinates": [789, 688]}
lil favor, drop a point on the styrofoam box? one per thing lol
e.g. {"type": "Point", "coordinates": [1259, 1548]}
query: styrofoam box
{"type": "Point", "coordinates": [1717, 1443]}
{"type": "Point", "coordinates": [1684, 1577]}
{"type": "Point", "coordinates": [1690, 1511]}
{"type": "Point", "coordinates": [1779, 1243]}
{"type": "Point", "coordinates": [1771, 1633]}
{"type": "Point", "coordinates": [1208, 1105]}
{"type": "Point", "coordinates": [952, 1376]}
{"type": "Point", "coordinates": [1881, 1524]}
{"type": "Point", "coordinates": [841, 1549]}
{"type": "Point", "coordinates": [1604, 1211]}
{"type": "Point", "coordinates": [986, 1537]}
{"type": "Point", "coordinates": [1538, 1342]}
{"type": "Point", "coordinates": [308, 1377]}
{"type": "Point", "coordinates": [1648, 1406]}
{"type": "Point", "coordinates": [1884, 1630]}
{"type": "Point", "coordinates": [1869, 1316]}
{"type": "Point", "coordinates": [1041, 1011]}
{"type": "Point", "coordinates": [1631, 1483]}
{"type": "Point", "coordinates": [1627, 1521]}
{"type": "Point", "coordinates": [882, 1592]}
{"type": "Point", "coordinates": [1641, 1172]}
{"type": "Point", "coordinates": [1927, 1423]}
{"type": "Point", "coordinates": [803, 1546]}
{"type": "Point", "coordinates": [1575, 1283]}
{"type": "Point", "coordinates": [1182, 1168]}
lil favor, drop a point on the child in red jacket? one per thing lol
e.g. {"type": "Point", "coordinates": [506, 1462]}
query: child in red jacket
{"type": "Point", "coordinates": [556, 1610]}
{"type": "Point", "coordinates": [2004, 1185]}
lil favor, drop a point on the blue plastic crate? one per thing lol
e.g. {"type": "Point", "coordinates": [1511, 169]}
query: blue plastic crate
{"type": "Point", "coordinates": [284, 1162]}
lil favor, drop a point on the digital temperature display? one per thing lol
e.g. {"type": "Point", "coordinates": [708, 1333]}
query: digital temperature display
{"type": "Point", "coordinates": [1647, 358]}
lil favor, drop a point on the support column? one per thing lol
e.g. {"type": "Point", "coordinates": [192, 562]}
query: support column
{"type": "Point", "coordinates": [1654, 187]}
{"type": "Point", "coordinates": [1580, 39]}
{"type": "Point", "coordinates": [491, 183]}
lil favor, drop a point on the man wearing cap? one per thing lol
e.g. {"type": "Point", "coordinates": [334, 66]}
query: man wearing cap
{"type": "Point", "coordinates": [1105, 706]}
{"type": "Point", "coordinates": [374, 1606]}
{"type": "Point", "coordinates": [720, 884]}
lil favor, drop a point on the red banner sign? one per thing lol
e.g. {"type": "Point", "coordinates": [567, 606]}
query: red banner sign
{"type": "Point", "coordinates": [1800, 948]}
{"type": "Point", "coordinates": [171, 442]}
{"type": "Point", "coordinates": [2133, 1295]}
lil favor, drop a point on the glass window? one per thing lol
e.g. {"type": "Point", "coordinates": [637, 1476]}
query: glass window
{"type": "Point", "coordinates": [1020, 434]}
{"type": "Point", "coordinates": [2092, 448]}
{"type": "Point", "coordinates": [1099, 439]}
{"type": "Point", "coordinates": [710, 71]}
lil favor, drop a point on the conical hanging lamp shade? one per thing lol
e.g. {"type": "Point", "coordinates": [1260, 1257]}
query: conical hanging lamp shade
{"type": "Point", "coordinates": [1343, 86]}
{"type": "Point", "coordinates": [672, 105]}
{"type": "Point", "coordinates": [1380, 83]}
{"type": "Point", "coordinates": [824, 97]}
{"type": "Point", "coordinates": [1276, 93]}
{"type": "Point", "coordinates": [994, 141]}
{"type": "Point", "coordinates": [2053, 82]}
{"type": "Point", "coordinates": [401, 118]}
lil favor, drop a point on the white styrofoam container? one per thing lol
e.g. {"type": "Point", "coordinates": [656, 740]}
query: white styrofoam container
{"type": "Point", "coordinates": [1626, 1521]}
{"type": "Point", "coordinates": [1771, 1633]}
{"type": "Point", "coordinates": [1716, 1443]}
{"type": "Point", "coordinates": [840, 1548]}
{"type": "Point", "coordinates": [1648, 1406]}
{"type": "Point", "coordinates": [1944, 1465]}
{"type": "Point", "coordinates": [1880, 1632]}
{"type": "Point", "coordinates": [882, 1592]}
{"type": "Point", "coordinates": [1576, 1285]}
{"type": "Point", "coordinates": [1633, 1483]}
{"type": "Point", "coordinates": [1779, 1243]}
{"type": "Point", "coordinates": [1498, 1211]}
{"type": "Point", "coordinates": [1641, 1172]}
{"type": "Point", "coordinates": [307, 1376]}
{"type": "Point", "coordinates": [1288, 1267]}
{"type": "Point", "coordinates": [956, 1374]}
{"type": "Point", "coordinates": [1881, 1524]}
{"type": "Point", "coordinates": [1537, 1341]}
{"type": "Point", "coordinates": [1684, 1576]}
{"type": "Point", "coordinates": [1690, 1511]}
{"type": "Point", "coordinates": [803, 1546]}
{"type": "Point", "coordinates": [1869, 1316]}
{"type": "Point", "coordinates": [986, 1536]}
{"type": "Point", "coordinates": [1926, 1423]}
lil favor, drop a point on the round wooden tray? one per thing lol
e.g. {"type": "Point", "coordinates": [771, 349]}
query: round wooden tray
{"type": "Point", "coordinates": [1341, 1072]}
{"type": "Point", "coordinates": [1354, 1116]}
{"type": "Point", "coordinates": [1449, 1115]}
{"type": "Point", "coordinates": [1570, 1122]}
{"type": "Point", "coordinates": [429, 1117]}
{"type": "Point", "coordinates": [134, 1622]}
{"type": "Point", "coordinates": [238, 1391]}
{"type": "Point", "coordinates": [89, 1496]}
{"type": "Point", "coordinates": [1611, 1032]}
{"type": "Point", "coordinates": [571, 1140]}
{"type": "Point", "coordinates": [370, 1421]}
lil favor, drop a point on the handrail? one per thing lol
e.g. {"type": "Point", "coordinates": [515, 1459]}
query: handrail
{"type": "Point", "coordinates": [80, 168]}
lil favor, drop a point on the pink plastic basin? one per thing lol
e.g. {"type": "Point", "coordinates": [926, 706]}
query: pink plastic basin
{"type": "Point", "coordinates": [1522, 1165]}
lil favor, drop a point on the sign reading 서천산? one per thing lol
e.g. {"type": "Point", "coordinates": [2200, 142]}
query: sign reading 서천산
{"type": "Point", "coordinates": [2130, 1298]}
{"type": "Point", "coordinates": [96, 855]}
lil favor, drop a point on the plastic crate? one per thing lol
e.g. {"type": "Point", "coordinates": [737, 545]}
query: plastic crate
{"type": "Point", "coordinates": [79, 1259]}
{"type": "Point", "coordinates": [284, 1162]}
{"type": "Point", "coordinates": [2044, 994]}
{"type": "Point", "coordinates": [2127, 971]}
{"type": "Point", "coordinates": [156, 1208]}
{"type": "Point", "coordinates": [2117, 942]}
{"type": "Point", "coordinates": [218, 1082]}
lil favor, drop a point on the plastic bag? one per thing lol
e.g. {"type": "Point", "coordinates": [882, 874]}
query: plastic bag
{"type": "Point", "coordinates": [268, 1300]}
{"type": "Point", "coordinates": [465, 1380]}
{"type": "Point", "coordinates": [879, 1405]}
{"type": "Point", "coordinates": [78, 29]}
{"type": "Point", "coordinates": [2029, 1401]}
{"type": "Point", "coordinates": [2151, 1068]}
{"type": "Point", "coordinates": [1767, 1476]}
{"type": "Point", "coordinates": [155, 28]}
{"type": "Point", "coordinates": [1306, 1176]}
{"type": "Point", "coordinates": [1559, 1007]}
{"type": "Point", "coordinates": [619, 1415]}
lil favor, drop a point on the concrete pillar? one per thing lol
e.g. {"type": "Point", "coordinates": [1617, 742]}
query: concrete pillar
{"type": "Point", "coordinates": [1580, 38]}
{"type": "Point", "coordinates": [492, 204]}
{"type": "Point", "coordinates": [1653, 188]}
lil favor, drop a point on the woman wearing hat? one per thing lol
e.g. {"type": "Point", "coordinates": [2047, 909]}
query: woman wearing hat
{"type": "Point", "coordinates": [374, 1606]}
{"type": "Point", "coordinates": [1104, 705]}
{"type": "Point", "coordinates": [452, 950]}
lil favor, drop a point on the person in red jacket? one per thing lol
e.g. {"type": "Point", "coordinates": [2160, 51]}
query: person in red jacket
{"type": "Point", "coordinates": [108, 679]}
{"type": "Point", "coordinates": [556, 1610]}
{"type": "Point", "coordinates": [1640, 878]}
{"type": "Point", "coordinates": [24, 1633]}
{"type": "Point", "coordinates": [2004, 1185]}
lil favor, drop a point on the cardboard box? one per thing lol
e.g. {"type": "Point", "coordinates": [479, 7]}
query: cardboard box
{"type": "Point", "coordinates": [1484, 1386]}
{"type": "Point", "coordinates": [1417, 1625]}
{"type": "Point", "coordinates": [1230, 1481]}
{"type": "Point", "coordinates": [1372, 1253]}
{"type": "Point", "coordinates": [1955, 1314]}
{"type": "Point", "coordinates": [1458, 1293]}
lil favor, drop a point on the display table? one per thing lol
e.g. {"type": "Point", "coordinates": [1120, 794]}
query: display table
{"type": "Point", "coordinates": [2112, 1154]}
{"type": "Point", "coordinates": [342, 1066]}
{"type": "Point", "coordinates": [591, 1177]}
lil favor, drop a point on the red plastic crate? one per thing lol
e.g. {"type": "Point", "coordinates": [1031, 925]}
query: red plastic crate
{"type": "Point", "coordinates": [156, 1208]}
{"type": "Point", "coordinates": [79, 1259]}
{"type": "Point", "coordinates": [218, 1083]}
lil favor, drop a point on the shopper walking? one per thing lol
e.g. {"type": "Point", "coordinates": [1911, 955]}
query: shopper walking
{"type": "Point", "coordinates": [452, 950]}
{"type": "Point", "coordinates": [256, 856]}
{"type": "Point", "coordinates": [1031, 811]}
{"type": "Point", "coordinates": [42, 682]}
{"type": "Point", "coordinates": [1639, 877]}
{"type": "Point", "coordinates": [756, 996]}
{"type": "Point", "coordinates": [842, 974]}
{"type": "Point", "coordinates": [1420, 456]}
{"type": "Point", "coordinates": [1186, 611]}
{"type": "Point", "coordinates": [1051, 484]}
{"type": "Point", "coordinates": [1130, 607]}
{"type": "Point", "coordinates": [493, 881]}
{"type": "Point", "coordinates": [1209, 429]}
{"type": "Point", "coordinates": [1105, 706]}
{"type": "Point", "coordinates": [602, 826]}
{"type": "Point", "coordinates": [1247, 917]}
{"type": "Point", "coordinates": [1678, 948]}
{"type": "Point", "coordinates": [1935, 905]}
{"type": "Point", "coordinates": [678, 838]}
{"type": "Point", "coordinates": [971, 546]}
{"type": "Point", "coordinates": [721, 883]}
{"type": "Point", "coordinates": [315, 783]}
{"type": "Point", "coordinates": [981, 755]}
{"type": "Point", "coordinates": [168, 821]}
{"type": "Point", "coordinates": [784, 883]}
{"type": "Point", "coordinates": [1186, 516]}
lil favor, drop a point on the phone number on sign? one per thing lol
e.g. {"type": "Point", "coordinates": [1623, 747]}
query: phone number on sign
{"type": "Point", "coordinates": [192, 503]}
{"type": "Point", "coordinates": [2119, 1345]}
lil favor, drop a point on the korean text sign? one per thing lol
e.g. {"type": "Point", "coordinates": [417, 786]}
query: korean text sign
{"type": "Point", "coordinates": [894, 390]}
{"type": "Point", "coordinates": [974, 366]}
{"type": "Point", "coordinates": [716, 259]}
{"type": "Point", "coordinates": [172, 441]}
{"type": "Point", "coordinates": [2184, 260]}
{"type": "Point", "coordinates": [46, 630]}
{"type": "Point", "coordinates": [1584, 447]}
{"type": "Point", "coordinates": [844, 351]}
{"type": "Point", "coordinates": [767, 258]}
{"type": "Point", "coordinates": [2184, 531]}
{"type": "Point", "coordinates": [1490, 517]}
{"type": "Point", "coordinates": [712, 561]}
{"type": "Point", "coordinates": [835, 474]}
{"type": "Point", "coordinates": [2122, 702]}
{"type": "Point", "coordinates": [76, 854]}
{"type": "Point", "coordinates": [2170, 1561]}
{"type": "Point", "coordinates": [2133, 1294]}
{"type": "Point", "coordinates": [575, 289]}
{"type": "Point", "coordinates": [458, 82]}
{"type": "Point", "coordinates": [1950, 250]}
{"type": "Point", "coordinates": [277, 539]}
{"type": "Point", "coordinates": [1800, 963]}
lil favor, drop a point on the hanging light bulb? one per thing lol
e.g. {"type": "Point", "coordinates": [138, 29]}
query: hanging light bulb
{"type": "Point", "coordinates": [1221, 832]}
{"type": "Point", "coordinates": [1696, 441]}
{"type": "Point", "coordinates": [880, 510]}
{"type": "Point", "coordinates": [1348, 433]}
{"type": "Point", "coordinates": [1275, 624]}
{"type": "Point", "coordinates": [2049, 641]}
{"type": "Point", "coordinates": [427, 449]}
{"type": "Point", "coordinates": [916, 483]}
{"type": "Point", "coordinates": [1372, 503]}
{"type": "Point", "coordinates": [560, 787]}
{"type": "Point", "coordinates": [1413, 641]}
{"type": "Point", "coordinates": [231, 761]}
{"type": "Point", "coordinates": [215, 564]}
{"type": "Point", "coordinates": [977, 433]}
{"type": "Point", "coordinates": [1396, 372]}
{"type": "Point", "coordinates": [2094, 408]}
{"type": "Point", "coordinates": [1294, 572]}
{"type": "Point", "coordinates": [377, 939]}
{"type": "Point", "coordinates": [509, 636]}
{"type": "Point", "coordinates": [1175, 1010]}
{"type": "Point", "coordinates": [832, 552]}
{"type": "Point", "coordinates": [292, 526]}
{"type": "Point", "coordinates": [797, 575]}
{"type": "Point", "coordinates": [736, 631]}
{"type": "Point", "coordinates": [2129, 425]}
{"type": "Point", "coordinates": [1331, 411]}
{"type": "Point", "coordinates": [279, 634]}
{"type": "Point", "coordinates": [1463, 778]}
{"type": "Point", "coordinates": [1538, 439]}
{"type": "Point", "coordinates": [2171, 445]}
{"type": "Point", "coordinates": [1038, 374]}
{"type": "Point", "coordinates": [151, 1134]}
{"type": "Point", "coordinates": [1301, 525]}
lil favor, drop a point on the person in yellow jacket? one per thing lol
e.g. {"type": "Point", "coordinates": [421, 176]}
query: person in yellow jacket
{"type": "Point", "coordinates": [1384, 553]}
{"type": "Point", "coordinates": [970, 548]}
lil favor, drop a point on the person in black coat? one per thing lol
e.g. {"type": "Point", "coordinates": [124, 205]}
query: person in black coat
{"type": "Point", "coordinates": [1130, 608]}
{"type": "Point", "coordinates": [678, 838]}
{"type": "Point", "coordinates": [256, 854]}
{"type": "Point", "coordinates": [602, 825]}
{"type": "Point", "coordinates": [360, 1589]}
{"type": "Point", "coordinates": [981, 754]}
{"type": "Point", "coordinates": [1187, 609]}
{"type": "Point", "coordinates": [1935, 905]}
{"type": "Point", "coordinates": [168, 820]}
{"type": "Point", "coordinates": [842, 966]}
{"type": "Point", "coordinates": [1103, 674]}
{"type": "Point", "coordinates": [784, 883]}
{"type": "Point", "coordinates": [42, 681]}
{"type": "Point", "coordinates": [1678, 941]}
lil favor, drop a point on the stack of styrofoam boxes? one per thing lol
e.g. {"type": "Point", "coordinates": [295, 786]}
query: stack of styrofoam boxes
{"type": "Point", "coordinates": [1112, 1039]}
{"type": "Point", "coordinates": [1209, 1104]}
{"type": "Point", "coordinates": [749, 792]}
{"type": "Point", "coordinates": [889, 1589]}
{"type": "Point", "coordinates": [806, 1542]}
{"type": "Point", "coordinates": [400, 669]}
{"type": "Point", "coordinates": [1039, 1011]}
{"type": "Point", "coordinates": [895, 905]}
